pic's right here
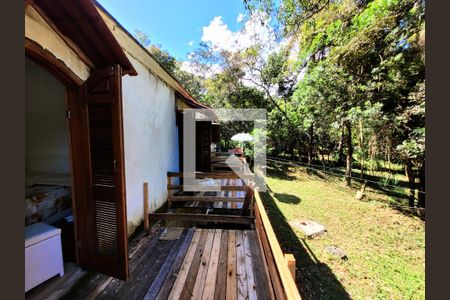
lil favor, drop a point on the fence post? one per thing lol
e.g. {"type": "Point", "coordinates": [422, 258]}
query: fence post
{"type": "Point", "coordinates": [290, 260]}
{"type": "Point", "coordinates": [145, 206]}
{"type": "Point", "coordinates": [169, 191]}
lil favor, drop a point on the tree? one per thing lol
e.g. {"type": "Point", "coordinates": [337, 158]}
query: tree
{"type": "Point", "coordinates": [193, 83]}
{"type": "Point", "coordinates": [376, 50]}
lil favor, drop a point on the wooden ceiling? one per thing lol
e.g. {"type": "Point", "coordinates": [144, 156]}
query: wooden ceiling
{"type": "Point", "coordinates": [80, 21]}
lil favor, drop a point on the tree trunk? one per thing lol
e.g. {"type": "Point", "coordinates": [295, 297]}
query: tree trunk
{"type": "Point", "coordinates": [348, 173]}
{"type": "Point", "coordinates": [311, 144]}
{"type": "Point", "coordinates": [361, 146]}
{"type": "Point", "coordinates": [388, 146]}
{"type": "Point", "coordinates": [341, 147]}
{"type": "Point", "coordinates": [421, 201]}
{"type": "Point", "coordinates": [291, 150]}
{"type": "Point", "coordinates": [323, 157]}
{"type": "Point", "coordinates": [411, 179]}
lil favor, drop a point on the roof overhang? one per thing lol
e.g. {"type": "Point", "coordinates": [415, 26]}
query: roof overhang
{"type": "Point", "coordinates": [79, 21]}
{"type": "Point", "coordinates": [190, 101]}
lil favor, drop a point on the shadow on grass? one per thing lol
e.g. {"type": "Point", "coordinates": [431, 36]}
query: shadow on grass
{"type": "Point", "coordinates": [314, 279]}
{"type": "Point", "coordinates": [287, 198]}
{"type": "Point", "coordinates": [411, 211]}
{"type": "Point", "coordinates": [315, 173]}
{"type": "Point", "coordinates": [280, 171]}
{"type": "Point", "coordinates": [284, 172]}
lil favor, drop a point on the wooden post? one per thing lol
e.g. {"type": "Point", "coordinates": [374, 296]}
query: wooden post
{"type": "Point", "coordinates": [169, 191]}
{"type": "Point", "coordinates": [248, 200]}
{"type": "Point", "coordinates": [145, 206]}
{"type": "Point", "coordinates": [290, 260]}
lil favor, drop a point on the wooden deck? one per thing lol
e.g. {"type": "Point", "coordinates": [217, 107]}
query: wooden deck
{"type": "Point", "coordinates": [201, 264]}
{"type": "Point", "coordinates": [235, 255]}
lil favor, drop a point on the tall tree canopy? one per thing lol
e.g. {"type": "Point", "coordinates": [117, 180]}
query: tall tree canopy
{"type": "Point", "coordinates": [345, 79]}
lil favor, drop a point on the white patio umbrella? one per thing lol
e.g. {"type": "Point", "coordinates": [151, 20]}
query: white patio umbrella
{"type": "Point", "coordinates": [242, 137]}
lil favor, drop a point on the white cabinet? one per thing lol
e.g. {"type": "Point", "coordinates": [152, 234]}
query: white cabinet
{"type": "Point", "coordinates": [43, 254]}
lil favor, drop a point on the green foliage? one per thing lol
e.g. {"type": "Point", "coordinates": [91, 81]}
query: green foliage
{"type": "Point", "coordinates": [193, 83]}
{"type": "Point", "coordinates": [164, 58]}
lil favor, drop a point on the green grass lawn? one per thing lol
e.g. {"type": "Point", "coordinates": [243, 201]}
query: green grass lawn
{"type": "Point", "coordinates": [385, 247]}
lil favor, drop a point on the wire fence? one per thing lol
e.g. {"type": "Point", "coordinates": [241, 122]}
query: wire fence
{"type": "Point", "coordinates": [333, 172]}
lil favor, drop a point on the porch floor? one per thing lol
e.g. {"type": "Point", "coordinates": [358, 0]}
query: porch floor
{"type": "Point", "coordinates": [201, 264]}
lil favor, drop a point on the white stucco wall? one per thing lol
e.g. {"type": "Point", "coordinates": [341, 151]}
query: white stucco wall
{"type": "Point", "coordinates": [46, 134]}
{"type": "Point", "coordinates": [150, 140]}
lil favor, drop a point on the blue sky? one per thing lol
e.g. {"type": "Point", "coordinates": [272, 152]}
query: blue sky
{"type": "Point", "coordinates": [174, 23]}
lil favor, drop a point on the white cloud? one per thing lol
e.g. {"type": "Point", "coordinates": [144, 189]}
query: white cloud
{"type": "Point", "coordinates": [191, 67]}
{"type": "Point", "coordinates": [191, 43]}
{"type": "Point", "coordinates": [255, 30]}
{"type": "Point", "coordinates": [218, 34]}
{"type": "Point", "coordinates": [240, 18]}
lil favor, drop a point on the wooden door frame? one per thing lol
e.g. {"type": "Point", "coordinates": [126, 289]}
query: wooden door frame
{"type": "Point", "coordinates": [79, 157]}
{"type": "Point", "coordinates": [71, 82]}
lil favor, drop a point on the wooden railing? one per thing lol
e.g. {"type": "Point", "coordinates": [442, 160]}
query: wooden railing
{"type": "Point", "coordinates": [172, 197]}
{"type": "Point", "coordinates": [212, 175]}
{"type": "Point", "coordinates": [281, 266]}
{"type": "Point", "coordinates": [243, 215]}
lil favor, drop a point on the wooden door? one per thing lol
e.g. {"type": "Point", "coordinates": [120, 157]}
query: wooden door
{"type": "Point", "coordinates": [104, 210]}
{"type": "Point", "coordinates": [203, 146]}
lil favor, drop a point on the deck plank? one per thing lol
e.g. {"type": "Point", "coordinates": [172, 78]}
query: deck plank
{"type": "Point", "coordinates": [160, 278]}
{"type": "Point", "coordinates": [249, 261]}
{"type": "Point", "coordinates": [185, 267]}
{"type": "Point", "coordinates": [203, 269]}
{"type": "Point", "coordinates": [176, 267]}
{"type": "Point", "coordinates": [62, 289]}
{"type": "Point", "coordinates": [142, 250]}
{"type": "Point", "coordinates": [221, 281]}
{"type": "Point", "coordinates": [137, 287]}
{"type": "Point", "coordinates": [260, 270]}
{"type": "Point", "coordinates": [99, 289]}
{"type": "Point", "coordinates": [84, 286]}
{"type": "Point", "coordinates": [143, 275]}
{"type": "Point", "coordinates": [210, 281]}
{"type": "Point", "coordinates": [241, 273]}
{"type": "Point", "coordinates": [188, 286]}
{"type": "Point", "coordinates": [231, 267]}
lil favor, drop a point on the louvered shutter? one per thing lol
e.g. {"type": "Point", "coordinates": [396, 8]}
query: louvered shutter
{"type": "Point", "coordinates": [107, 237]}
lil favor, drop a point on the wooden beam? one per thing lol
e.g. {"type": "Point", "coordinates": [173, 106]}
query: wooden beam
{"type": "Point", "coordinates": [145, 206]}
{"type": "Point", "coordinates": [205, 188]}
{"type": "Point", "coordinates": [213, 210]}
{"type": "Point", "coordinates": [202, 218]}
{"type": "Point", "coordinates": [213, 175]}
{"type": "Point", "coordinates": [274, 277]}
{"type": "Point", "coordinates": [288, 282]}
{"type": "Point", "coordinates": [249, 191]}
{"type": "Point", "coordinates": [65, 38]}
{"type": "Point", "coordinates": [205, 199]}
{"type": "Point", "coordinates": [51, 63]}
{"type": "Point", "coordinates": [169, 192]}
